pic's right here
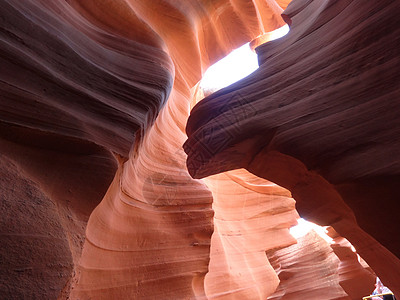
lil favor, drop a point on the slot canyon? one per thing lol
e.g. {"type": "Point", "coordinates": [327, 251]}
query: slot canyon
{"type": "Point", "coordinates": [122, 178]}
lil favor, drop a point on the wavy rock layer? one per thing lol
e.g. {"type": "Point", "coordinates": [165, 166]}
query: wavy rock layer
{"type": "Point", "coordinates": [320, 118]}
{"type": "Point", "coordinates": [307, 270]}
{"type": "Point", "coordinates": [91, 87]}
{"type": "Point", "coordinates": [95, 96]}
{"type": "Point", "coordinates": [252, 215]}
{"type": "Point", "coordinates": [154, 224]}
{"type": "Point", "coordinates": [314, 268]}
{"type": "Point", "coordinates": [355, 276]}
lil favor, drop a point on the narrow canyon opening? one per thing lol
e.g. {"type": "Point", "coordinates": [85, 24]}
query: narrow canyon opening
{"type": "Point", "coordinates": [238, 64]}
{"type": "Point", "coordinates": [126, 175]}
{"type": "Point", "coordinates": [319, 249]}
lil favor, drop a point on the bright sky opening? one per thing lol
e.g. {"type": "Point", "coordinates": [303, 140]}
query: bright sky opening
{"type": "Point", "coordinates": [238, 64]}
{"type": "Point", "coordinates": [303, 227]}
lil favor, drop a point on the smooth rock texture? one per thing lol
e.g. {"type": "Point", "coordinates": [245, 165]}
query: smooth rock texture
{"type": "Point", "coordinates": [252, 215]}
{"type": "Point", "coordinates": [307, 270]}
{"type": "Point", "coordinates": [320, 118]}
{"type": "Point", "coordinates": [315, 268]}
{"type": "Point", "coordinates": [83, 84]}
{"type": "Point", "coordinates": [96, 198]}
{"type": "Point", "coordinates": [355, 276]}
{"type": "Point", "coordinates": [153, 228]}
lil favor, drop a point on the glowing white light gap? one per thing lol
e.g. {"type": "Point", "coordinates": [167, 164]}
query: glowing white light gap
{"type": "Point", "coordinates": [238, 64]}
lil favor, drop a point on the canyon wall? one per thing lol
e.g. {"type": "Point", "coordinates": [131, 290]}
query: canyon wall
{"type": "Point", "coordinates": [319, 117]}
{"type": "Point", "coordinates": [99, 199]}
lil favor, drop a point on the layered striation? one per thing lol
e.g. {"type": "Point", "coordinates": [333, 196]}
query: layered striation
{"type": "Point", "coordinates": [95, 98]}
{"type": "Point", "coordinates": [307, 270]}
{"type": "Point", "coordinates": [153, 227]}
{"type": "Point", "coordinates": [321, 265]}
{"type": "Point", "coordinates": [98, 199]}
{"type": "Point", "coordinates": [252, 215]}
{"type": "Point", "coordinates": [355, 275]}
{"type": "Point", "coordinates": [319, 118]}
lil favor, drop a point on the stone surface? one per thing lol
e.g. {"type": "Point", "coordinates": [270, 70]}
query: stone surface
{"type": "Point", "coordinates": [320, 118]}
{"type": "Point", "coordinates": [315, 268]}
{"type": "Point", "coordinates": [153, 228]}
{"type": "Point", "coordinates": [35, 256]}
{"type": "Point", "coordinates": [97, 200]}
{"type": "Point", "coordinates": [307, 270]}
{"type": "Point", "coordinates": [82, 85]}
{"type": "Point", "coordinates": [355, 276]}
{"type": "Point", "coordinates": [252, 215]}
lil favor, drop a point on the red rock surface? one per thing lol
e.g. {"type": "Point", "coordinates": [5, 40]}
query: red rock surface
{"type": "Point", "coordinates": [355, 276]}
{"type": "Point", "coordinates": [307, 270]}
{"type": "Point", "coordinates": [35, 255]}
{"type": "Point", "coordinates": [252, 215]}
{"type": "Point", "coordinates": [97, 201]}
{"type": "Point", "coordinates": [320, 118]}
{"type": "Point", "coordinates": [315, 268]}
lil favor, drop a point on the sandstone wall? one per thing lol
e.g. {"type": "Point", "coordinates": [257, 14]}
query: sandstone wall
{"type": "Point", "coordinates": [95, 98]}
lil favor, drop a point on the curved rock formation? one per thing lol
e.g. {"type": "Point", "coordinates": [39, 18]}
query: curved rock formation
{"type": "Point", "coordinates": [315, 268]}
{"type": "Point", "coordinates": [97, 202]}
{"type": "Point", "coordinates": [252, 216]}
{"type": "Point", "coordinates": [355, 276]}
{"type": "Point", "coordinates": [320, 118]}
{"type": "Point", "coordinates": [83, 83]}
{"type": "Point", "coordinates": [154, 224]}
{"type": "Point", "coordinates": [307, 270]}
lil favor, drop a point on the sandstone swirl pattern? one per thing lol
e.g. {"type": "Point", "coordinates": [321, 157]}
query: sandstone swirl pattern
{"type": "Point", "coordinates": [82, 85]}
{"type": "Point", "coordinates": [97, 201]}
{"type": "Point", "coordinates": [320, 118]}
